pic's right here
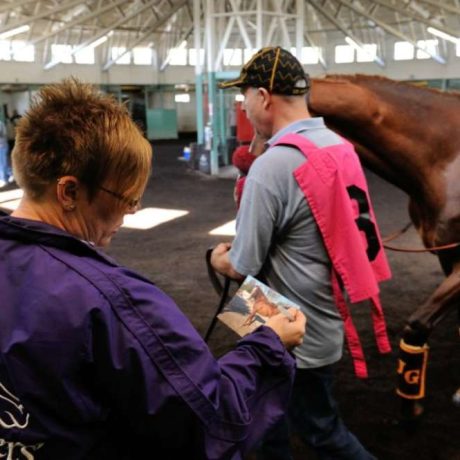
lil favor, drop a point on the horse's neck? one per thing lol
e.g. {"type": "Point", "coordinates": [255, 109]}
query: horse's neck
{"type": "Point", "coordinates": [383, 133]}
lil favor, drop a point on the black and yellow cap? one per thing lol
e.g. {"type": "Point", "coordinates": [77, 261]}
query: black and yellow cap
{"type": "Point", "coordinates": [274, 69]}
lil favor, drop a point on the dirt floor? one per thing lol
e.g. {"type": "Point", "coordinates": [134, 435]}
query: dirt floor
{"type": "Point", "coordinates": [172, 255]}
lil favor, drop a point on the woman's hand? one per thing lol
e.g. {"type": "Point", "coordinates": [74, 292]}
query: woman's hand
{"type": "Point", "coordinates": [290, 328]}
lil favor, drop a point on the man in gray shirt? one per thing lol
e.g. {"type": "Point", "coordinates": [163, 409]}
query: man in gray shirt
{"type": "Point", "coordinates": [278, 239]}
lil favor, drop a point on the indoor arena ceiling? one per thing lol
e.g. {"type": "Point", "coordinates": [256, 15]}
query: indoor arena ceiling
{"type": "Point", "coordinates": [163, 24]}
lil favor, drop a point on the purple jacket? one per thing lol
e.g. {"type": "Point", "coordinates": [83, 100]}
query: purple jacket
{"type": "Point", "coordinates": [98, 363]}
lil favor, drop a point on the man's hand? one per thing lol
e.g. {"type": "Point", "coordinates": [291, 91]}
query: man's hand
{"type": "Point", "coordinates": [290, 329]}
{"type": "Point", "coordinates": [221, 261]}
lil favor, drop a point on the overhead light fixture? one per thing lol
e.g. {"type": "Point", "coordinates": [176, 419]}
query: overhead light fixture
{"type": "Point", "coordinates": [16, 31]}
{"type": "Point", "coordinates": [362, 48]}
{"type": "Point", "coordinates": [443, 35]}
{"type": "Point", "coordinates": [99, 41]}
{"type": "Point", "coordinates": [352, 43]}
{"type": "Point", "coordinates": [181, 46]}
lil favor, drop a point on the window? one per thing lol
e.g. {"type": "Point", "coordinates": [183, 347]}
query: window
{"type": "Point", "coordinates": [61, 53]}
{"type": "Point", "coordinates": [233, 56]}
{"type": "Point", "coordinates": [367, 53]}
{"type": "Point", "coordinates": [192, 56]}
{"type": "Point", "coordinates": [403, 51]}
{"type": "Point", "coordinates": [85, 56]}
{"type": "Point", "coordinates": [22, 52]}
{"type": "Point", "coordinates": [118, 51]}
{"type": "Point", "coordinates": [18, 50]}
{"type": "Point", "coordinates": [5, 50]}
{"type": "Point", "coordinates": [248, 53]}
{"type": "Point", "coordinates": [184, 97]}
{"type": "Point", "coordinates": [429, 45]}
{"type": "Point", "coordinates": [177, 56]}
{"type": "Point", "coordinates": [308, 54]}
{"type": "Point", "coordinates": [142, 56]}
{"type": "Point", "coordinates": [344, 54]}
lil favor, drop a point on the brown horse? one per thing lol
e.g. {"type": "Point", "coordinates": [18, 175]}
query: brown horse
{"type": "Point", "coordinates": [260, 305]}
{"type": "Point", "coordinates": [409, 136]}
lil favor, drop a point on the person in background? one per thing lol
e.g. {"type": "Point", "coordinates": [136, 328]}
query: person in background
{"type": "Point", "coordinates": [96, 362]}
{"type": "Point", "coordinates": [12, 122]}
{"type": "Point", "coordinates": [15, 118]}
{"type": "Point", "coordinates": [287, 234]}
{"type": "Point", "coordinates": [242, 158]}
{"type": "Point", "coordinates": [11, 132]}
{"type": "Point", "coordinates": [5, 169]}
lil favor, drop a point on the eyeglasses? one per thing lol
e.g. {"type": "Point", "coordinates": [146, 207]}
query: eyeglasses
{"type": "Point", "coordinates": [132, 203]}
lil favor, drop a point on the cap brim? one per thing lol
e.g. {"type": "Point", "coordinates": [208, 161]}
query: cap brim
{"type": "Point", "coordinates": [238, 83]}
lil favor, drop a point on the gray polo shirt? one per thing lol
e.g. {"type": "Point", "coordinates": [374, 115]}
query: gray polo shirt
{"type": "Point", "coordinates": [277, 236]}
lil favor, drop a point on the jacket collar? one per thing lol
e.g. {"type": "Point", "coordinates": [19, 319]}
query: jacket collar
{"type": "Point", "coordinates": [37, 232]}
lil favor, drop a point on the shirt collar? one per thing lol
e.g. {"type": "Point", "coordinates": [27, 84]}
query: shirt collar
{"type": "Point", "coordinates": [297, 127]}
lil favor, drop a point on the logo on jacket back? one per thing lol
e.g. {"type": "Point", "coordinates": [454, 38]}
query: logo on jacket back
{"type": "Point", "coordinates": [13, 416]}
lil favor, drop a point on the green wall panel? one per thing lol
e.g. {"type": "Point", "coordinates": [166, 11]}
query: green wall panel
{"type": "Point", "coordinates": [161, 124]}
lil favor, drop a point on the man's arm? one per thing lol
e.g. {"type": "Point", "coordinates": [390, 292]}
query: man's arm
{"type": "Point", "coordinates": [220, 260]}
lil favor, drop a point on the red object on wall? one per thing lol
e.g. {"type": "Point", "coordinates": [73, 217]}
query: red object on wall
{"type": "Point", "coordinates": [244, 129]}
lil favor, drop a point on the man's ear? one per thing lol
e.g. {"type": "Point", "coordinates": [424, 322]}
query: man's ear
{"type": "Point", "coordinates": [266, 97]}
{"type": "Point", "coordinates": [67, 189]}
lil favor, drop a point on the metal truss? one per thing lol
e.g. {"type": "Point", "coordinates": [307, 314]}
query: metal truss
{"type": "Point", "coordinates": [222, 24]}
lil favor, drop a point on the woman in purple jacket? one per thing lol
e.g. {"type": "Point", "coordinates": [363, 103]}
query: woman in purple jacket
{"type": "Point", "coordinates": [96, 362]}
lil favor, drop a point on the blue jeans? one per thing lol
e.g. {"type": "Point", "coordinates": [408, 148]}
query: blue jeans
{"type": "Point", "coordinates": [314, 417]}
{"type": "Point", "coordinates": [5, 168]}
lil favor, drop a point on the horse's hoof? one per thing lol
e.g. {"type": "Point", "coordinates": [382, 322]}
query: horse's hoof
{"type": "Point", "coordinates": [411, 414]}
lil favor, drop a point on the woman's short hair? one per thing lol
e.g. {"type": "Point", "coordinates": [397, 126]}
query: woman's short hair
{"type": "Point", "coordinates": [73, 129]}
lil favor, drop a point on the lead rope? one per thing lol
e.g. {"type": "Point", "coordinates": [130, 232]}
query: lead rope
{"type": "Point", "coordinates": [222, 291]}
{"type": "Point", "coordinates": [404, 230]}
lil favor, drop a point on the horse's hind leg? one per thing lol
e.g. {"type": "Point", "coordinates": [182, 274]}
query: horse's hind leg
{"type": "Point", "coordinates": [413, 351]}
{"type": "Point", "coordinates": [456, 395]}
{"type": "Point", "coordinates": [446, 259]}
